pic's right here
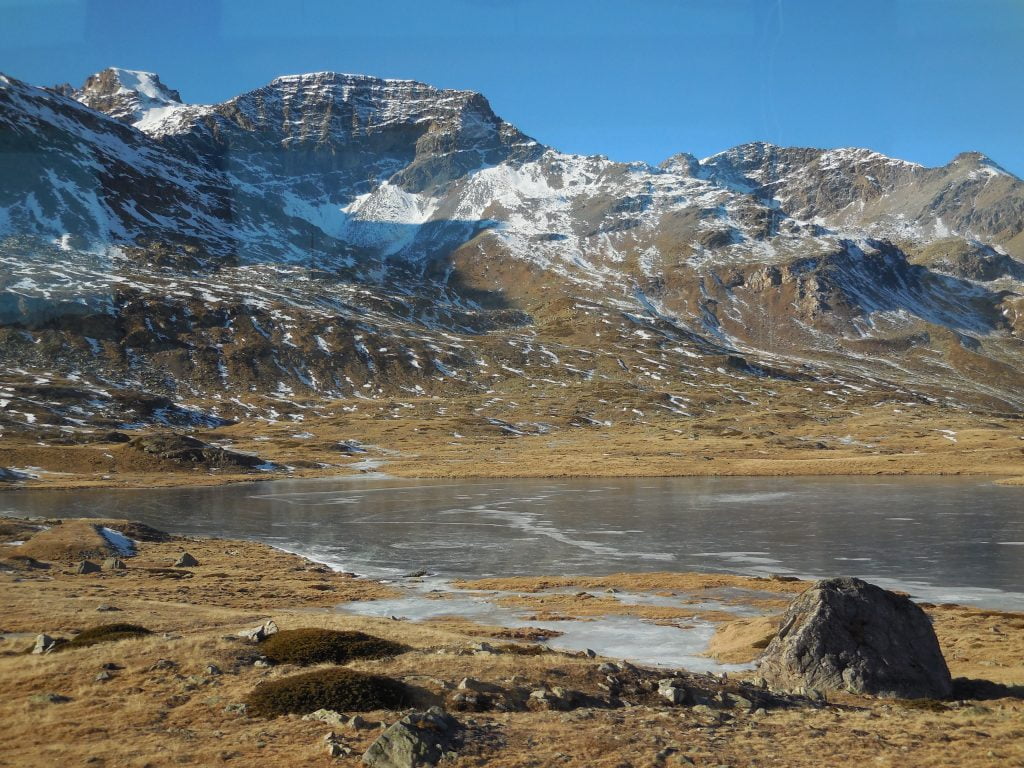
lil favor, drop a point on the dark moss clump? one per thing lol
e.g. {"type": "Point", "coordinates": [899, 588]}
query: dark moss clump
{"type": "Point", "coordinates": [105, 633]}
{"type": "Point", "coordinates": [337, 689]}
{"type": "Point", "coordinates": [319, 646]}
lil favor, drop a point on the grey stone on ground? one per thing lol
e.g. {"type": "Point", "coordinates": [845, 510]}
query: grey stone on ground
{"type": "Point", "coordinates": [87, 566]}
{"type": "Point", "coordinates": [418, 739]}
{"type": "Point", "coordinates": [185, 561]}
{"type": "Point", "coordinates": [329, 716]}
{"type": "Point", "coordinates": [844, 634]}
{"type": "Point", "coordinates": [114, 564]}
{"type": "Point", "coordinates": [44, 644]}
{"type": "Point", "coordinates": [260, 633]}
{"type": "Point", "coordinates": [104, 608]}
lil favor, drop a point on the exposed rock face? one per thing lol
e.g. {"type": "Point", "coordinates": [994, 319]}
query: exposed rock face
{"type": "Point", "coordinates": [127, 95]}
{"type": "Point", "coordinates": [844, 634]}
{"type": "Point", "coordinates": [418, 739]}
{"type": "Point", "coordinates": [183, 449]}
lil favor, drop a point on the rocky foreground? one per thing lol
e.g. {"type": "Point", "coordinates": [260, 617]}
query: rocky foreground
{"type": "Point", "coordinates": [181, 687]}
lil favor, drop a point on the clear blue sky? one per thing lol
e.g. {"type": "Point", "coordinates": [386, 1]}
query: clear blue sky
{"type": "Point", "coordinates": [635, 80]}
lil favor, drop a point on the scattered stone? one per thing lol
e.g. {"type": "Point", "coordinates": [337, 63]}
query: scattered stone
{"type": "Point", "coordinates": [44, 644]}
{"type": "Point", "coordinates": [212, 670]}
{"type": "Point", "coordinates": [328, 716]}
{"type": "Point", "coordinates": [185, 561]}
{"type": "Point", "coordinates": [237, 708]}
{"type": "Point", "coordinates": [87, 566]}
{"type": "Point", "coordinates": [261, 663]}
{"type": "Point", "coordinates": [113, 564]}
{"type": "Point", "coordinates": [104, 608]}
{"type": "Point", "coordinates": [469, 684]}
{"type": "Point", "coordinates": [670, 690]}
{"type": "Point", "coordinates": [844, 634]}
{"type": "Point", "coordinates": [335, 747]}
{"type": "Point", "coordinates": [103, 676]}
{"type": "Point", "coordinates": [482, 648]}
{"type": "Point", "coordinates": [590, 654]}
{"type": "Point", "coordinates": [418, 739]}
{"type": "Point", "coordinates": [555, 698]}
{"type": "Point", "coordinates": [260, 633]}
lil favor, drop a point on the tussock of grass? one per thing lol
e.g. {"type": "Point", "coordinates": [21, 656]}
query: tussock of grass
{"type": "Point", "coordinates": [319, 646]}
{"type": "Point", "coordinates": [337, 689]}
{"type": "Point", "coordinates": [105, 633]}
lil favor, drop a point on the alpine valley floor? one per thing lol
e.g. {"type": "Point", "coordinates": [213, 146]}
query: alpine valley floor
{"type": "Point", "coordinates": [582, 430]}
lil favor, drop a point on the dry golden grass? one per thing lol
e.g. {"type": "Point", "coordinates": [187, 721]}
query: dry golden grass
{"type": "Point", "coordinates": [150, 714]}
{"type": "Point", "coordinates": [788, 431]}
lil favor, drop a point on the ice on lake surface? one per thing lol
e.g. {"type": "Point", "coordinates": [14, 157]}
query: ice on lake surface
{"type": "Point", "coordinates": [941, 539]}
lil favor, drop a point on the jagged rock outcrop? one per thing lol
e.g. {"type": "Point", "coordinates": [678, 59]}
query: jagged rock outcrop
{"type": "Point", "coordinates": [844, 634]}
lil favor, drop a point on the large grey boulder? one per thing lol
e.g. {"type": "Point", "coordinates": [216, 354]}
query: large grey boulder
{"type": "Point", "coordinates": [844, 634]}
{"type": "Point", "coordinates": [418, 739]}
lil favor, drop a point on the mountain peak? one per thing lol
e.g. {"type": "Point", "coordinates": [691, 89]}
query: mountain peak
{"type": "Point", "coordinates": [128, 95]}
{"type": "Point", "coordinates": [978, 161]}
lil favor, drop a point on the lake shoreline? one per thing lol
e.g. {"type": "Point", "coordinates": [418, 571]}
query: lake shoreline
{"type": "Point", "coordinates": [159, 702]}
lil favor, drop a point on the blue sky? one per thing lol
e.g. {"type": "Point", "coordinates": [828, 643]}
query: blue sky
{"type": "Point", "coordinates": [640, 80]}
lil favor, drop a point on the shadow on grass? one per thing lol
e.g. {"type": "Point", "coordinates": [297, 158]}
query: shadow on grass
{"type": "Point", "coordinates": [985, 690]}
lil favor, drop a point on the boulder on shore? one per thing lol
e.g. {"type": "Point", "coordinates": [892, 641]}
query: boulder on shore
{"type": "Point", "coordinates": [844, 634]}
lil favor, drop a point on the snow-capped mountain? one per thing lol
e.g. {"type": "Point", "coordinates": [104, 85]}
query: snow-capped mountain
{"type": "Point", "coordinates": [342, 235]}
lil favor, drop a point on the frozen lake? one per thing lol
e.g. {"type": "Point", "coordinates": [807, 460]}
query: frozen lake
{"type": "Point", "coordinates": [941, 539]}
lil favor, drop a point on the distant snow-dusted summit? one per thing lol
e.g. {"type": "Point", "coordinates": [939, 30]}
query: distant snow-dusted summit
{"type": "Point", "coordinates": [380, 207]}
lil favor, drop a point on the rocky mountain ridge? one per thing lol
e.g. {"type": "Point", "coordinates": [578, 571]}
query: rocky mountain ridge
{"type": "Point", "coordinates": [342, 236]}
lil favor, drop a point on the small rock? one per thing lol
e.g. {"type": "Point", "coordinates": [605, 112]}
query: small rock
{"type": "Point", "coordinates": [104, 608]}
{"type": "Point", "coordinates": [262, 632]}
{"type": "Point", "coordinates": [590, 654]}
{"type": "Point", "coordinates": [212, 670]}
{"type": "Point", "coordinates": [87, 566]}
{"type": "Point", "coordinates": [114, 564]}
{"type": "Point", "coordinates": [261, 663]}
{"type": "Point", "coordinates": [469, 684]}
{"type": "Point", "coordinates": [44, 644]}
{"type": "Point", "coordinates": [48, 698]}
{"type": "Point", "coordinates": [670, 690]}
{"type": "Point", "coordinates": [103, 676]}
{"type": "Point", "coordinates": [111, 666]}
{"type": "Point", "coordinates": [328, 716]}
{"type": "Point", "coordinates": [334, 749]}
{"type": "Point", "coordinates": [185, 561]}
{"type": "Point", "coordinates": [235, 709]}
